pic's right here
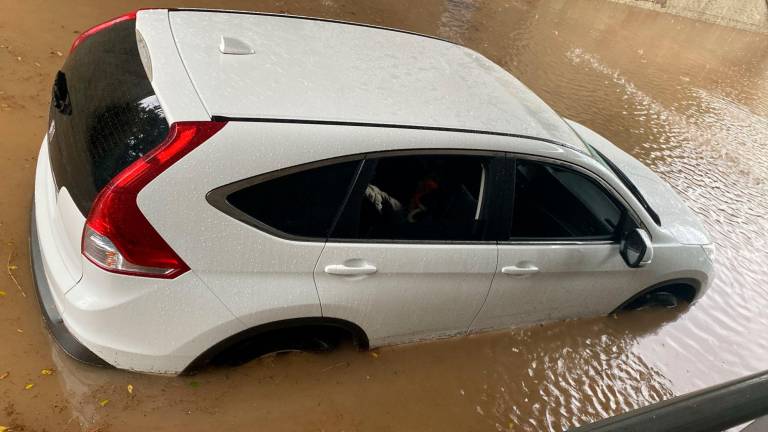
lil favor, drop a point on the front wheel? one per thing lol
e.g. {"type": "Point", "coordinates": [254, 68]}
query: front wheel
{"type": "Point", "coordinates": [668, 296]}
{"type": "Point", "coordinates": [654, 299]}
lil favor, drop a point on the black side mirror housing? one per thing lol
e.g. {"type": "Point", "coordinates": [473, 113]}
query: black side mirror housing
{"type": "Point", "coordinates": [636, 248]}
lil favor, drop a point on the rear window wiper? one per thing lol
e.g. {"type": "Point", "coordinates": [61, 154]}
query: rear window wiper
{"type": "Point", "coordinates": [61, 94]}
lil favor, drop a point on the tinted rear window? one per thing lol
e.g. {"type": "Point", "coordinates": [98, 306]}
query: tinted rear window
{"type": "Point", "coordinates": [104, 113]}
{"type": "Point", "coordinates": [302, 204]}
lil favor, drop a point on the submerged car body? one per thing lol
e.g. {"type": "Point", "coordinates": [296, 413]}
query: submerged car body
{"type": "Point", "coordinates": [210, 176]}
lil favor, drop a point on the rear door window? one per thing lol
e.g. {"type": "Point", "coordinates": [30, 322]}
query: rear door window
{"type": "Point", "coordinates": [302, 203]}
{"type": "Point", "coordinates": [554, 202]}
{"type": "Point", "coordinates": [418, 197]}
{"type": "Point", "coordinates": [104, 113]}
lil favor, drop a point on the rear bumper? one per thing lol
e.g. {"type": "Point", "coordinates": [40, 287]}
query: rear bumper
{"type": "Point", "coordinates": [68, 343]}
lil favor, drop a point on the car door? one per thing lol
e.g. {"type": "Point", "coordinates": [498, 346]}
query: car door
{"type": "Point", "coordinates": [560, 258]}
{"type": "Point", "coordinates": [408, 258]}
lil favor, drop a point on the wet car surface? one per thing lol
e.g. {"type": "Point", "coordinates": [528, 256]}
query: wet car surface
{"type": "Point", "coordinates": [685, 97]}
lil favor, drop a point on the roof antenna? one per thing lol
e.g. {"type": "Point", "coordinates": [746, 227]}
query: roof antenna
{"type": "Point", "coordinates": [230, 45]}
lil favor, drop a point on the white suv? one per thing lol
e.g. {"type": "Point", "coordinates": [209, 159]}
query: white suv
{"type": "Point", "coordinates": [213, 180]}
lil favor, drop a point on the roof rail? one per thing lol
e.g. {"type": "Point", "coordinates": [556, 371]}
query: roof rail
{"type": "Point", "coordinates": [396, 126]}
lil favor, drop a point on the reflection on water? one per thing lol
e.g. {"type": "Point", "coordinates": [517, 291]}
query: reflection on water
{"type": "Point", "coordinates": [559, 376]}
{"type": "Point", "coordinates": [686, 98]}
{"type": "Point", "coordinates": [455, 21]}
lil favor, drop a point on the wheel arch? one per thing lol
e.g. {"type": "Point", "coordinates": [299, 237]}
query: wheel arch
{"type": "Point", "coordinates": [691, 284]}
{"type": "Point", "coordinates": [358, 335]}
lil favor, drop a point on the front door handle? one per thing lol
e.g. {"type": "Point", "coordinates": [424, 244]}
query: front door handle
{"type": "Point", "coordinates": [520, 271]}
{"type": "Point", "coordinates": [345, 270]}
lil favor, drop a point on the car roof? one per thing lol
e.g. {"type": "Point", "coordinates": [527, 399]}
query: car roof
{"type": "Point", "coordinates": [307, 69]}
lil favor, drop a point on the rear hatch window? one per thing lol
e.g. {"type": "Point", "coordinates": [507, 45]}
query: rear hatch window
{"type": "Point", "coordinates": [104, 113]}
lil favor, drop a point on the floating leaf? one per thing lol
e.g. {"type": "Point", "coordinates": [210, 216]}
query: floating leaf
{"type": "Point", "coordinates": [374, 354]}
{"type": "Point", "coordinates": [4, 429]}
{"type": "Point", "coordinates": [13, 267]}
{"type": "Point", "coordinates": [4, 375]}
{"type": "Point", "coordinates": [130, 388]}
{"type": "Point", "coordinates": [28, 386]}
{"type": "Point", "coordinates": [104, 402]}
{"type": "Point", "coordinates": [47, 371]}
{"type": "Point", "coordinates": [194, 384]}
{"type": "Point", "coordinates": [3, 293]}
{"type": "Point", "coordinates": [20, 330]}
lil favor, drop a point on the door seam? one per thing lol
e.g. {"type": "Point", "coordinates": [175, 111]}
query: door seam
{"type": "Point", "coordinates": [314, 278]}
{"type": "Point", "coordinates": [487, 294]}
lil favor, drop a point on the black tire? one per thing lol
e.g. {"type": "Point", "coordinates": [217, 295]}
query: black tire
{"type": "Point", "coordinates": [313, 340]}
{"type": "Point", "coordinates": [669, 295]}
{"type": "Point", "coordinates": [653, 299]}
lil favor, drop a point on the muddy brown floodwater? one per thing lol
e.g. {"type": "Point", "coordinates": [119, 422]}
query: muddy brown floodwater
{"type": "Point", "coordinates": [688, 99]}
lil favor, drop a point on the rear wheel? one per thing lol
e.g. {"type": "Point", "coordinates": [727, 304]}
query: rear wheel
{"type": "Point", "coordinates": [314, 339]}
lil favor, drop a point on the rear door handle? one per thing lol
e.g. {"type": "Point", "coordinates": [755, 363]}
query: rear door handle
{"type": "Point", "coordinates": [345, 270]}
{"type": "Point", "coordinates": [520, 271]}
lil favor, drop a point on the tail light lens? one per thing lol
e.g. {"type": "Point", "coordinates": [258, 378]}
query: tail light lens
{"type": "Point", "coordinates": [95, 29]}
{"type": "Point", "coordinates": [117, 237]}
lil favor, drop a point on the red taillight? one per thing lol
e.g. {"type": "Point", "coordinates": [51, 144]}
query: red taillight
{"type": "Point", "coordinates": [95, 29]}
{"type": "Point", "coordinates": [117, 237]}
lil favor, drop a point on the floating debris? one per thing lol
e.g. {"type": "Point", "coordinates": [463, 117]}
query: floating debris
{"type": "Point", "coordinates": [10, 267]}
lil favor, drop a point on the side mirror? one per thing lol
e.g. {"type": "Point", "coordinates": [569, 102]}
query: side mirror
{"type": "Point", "coordinates": [636, 248]}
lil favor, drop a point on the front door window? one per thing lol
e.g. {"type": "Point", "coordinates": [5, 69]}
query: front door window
{"type": "Point", "coordinates": [553, 202]}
